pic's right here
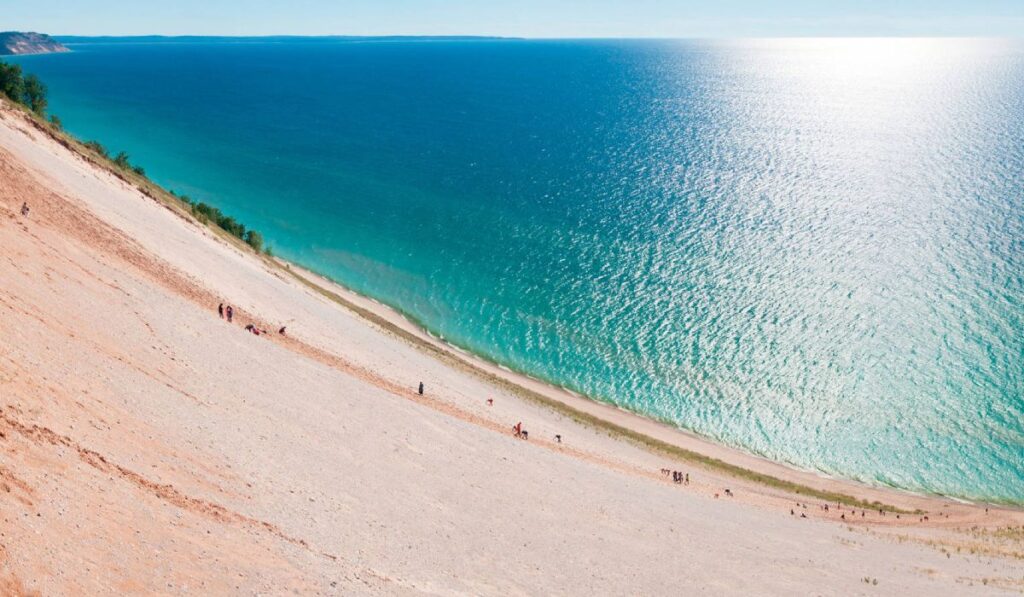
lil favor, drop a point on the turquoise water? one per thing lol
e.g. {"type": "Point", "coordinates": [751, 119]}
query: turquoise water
{"type": "Point", "coordinates": [813, 250]}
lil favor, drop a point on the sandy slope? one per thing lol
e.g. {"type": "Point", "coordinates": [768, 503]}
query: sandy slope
{"type": "Point", "coordinates": [148, 446]}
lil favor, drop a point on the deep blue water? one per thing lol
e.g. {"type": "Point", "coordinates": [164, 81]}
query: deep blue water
{"type": "Point", "coordinates": [813, 250]}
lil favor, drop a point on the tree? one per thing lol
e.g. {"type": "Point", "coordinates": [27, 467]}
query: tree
{"type": "Point", "coordinates": [255, 240]}
{"type": "Point", "coordinates": [11, 83]}
{"type": "Point", "coordinates": [24, 89]}
{"type": "Point", "coordinates": [232, 226]}
{"type": "Point", "coordinates": [34, 94]}
{"type": "Point", "coordinates": [55, 121]}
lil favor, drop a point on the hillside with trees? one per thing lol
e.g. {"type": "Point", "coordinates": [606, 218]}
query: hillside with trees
{"type": "Point", "coordinates": [19, 42]}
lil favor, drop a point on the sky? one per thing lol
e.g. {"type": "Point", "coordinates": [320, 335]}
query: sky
{"type": "Point", "coordinates": [520, 18]}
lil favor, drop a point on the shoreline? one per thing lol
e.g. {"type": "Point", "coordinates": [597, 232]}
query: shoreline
{"type": "Point", "coordinates": [649, 434]}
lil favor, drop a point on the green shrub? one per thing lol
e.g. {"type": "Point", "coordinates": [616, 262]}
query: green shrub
{"type": "Point", "coordinates": [34, 94]}
{"type": "Point", "coordinates": [207, 213]}
{"type": "Point", "coordinates": [121, 160]}
{"type": "Point", "coordinates": [11, 82]}
{"type": "Point", "coordinates": [56, 123]}
{"type": "Point", "coordinates": [97, 148]}
{"type": "Point", "coordinates": [24, 89]}
{"type": "Point", "coordinates": [124, 162]}
{"type": "Point", "coordinates": [254, 240]}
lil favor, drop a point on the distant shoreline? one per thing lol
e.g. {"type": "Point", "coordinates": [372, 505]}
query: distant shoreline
{"type": "Point", "coordinates": [113, 39]}
{"type": "Point", "coordinates": [27, 43]}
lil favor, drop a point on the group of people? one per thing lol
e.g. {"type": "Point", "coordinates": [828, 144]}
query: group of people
{"type": "Point", "coordinates": [842, 515]}
{"type": "Point", "coordinates": [520, 432]}
{"type": "Point", "coordinates": [678, 477]}
{"type": "Point", "coordinates": [228, 312]}
{"type": "Point", "coordinates": [853, 512]}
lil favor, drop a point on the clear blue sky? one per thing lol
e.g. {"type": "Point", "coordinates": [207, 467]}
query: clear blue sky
{"type": "Point", "coordinates": [529, 18]}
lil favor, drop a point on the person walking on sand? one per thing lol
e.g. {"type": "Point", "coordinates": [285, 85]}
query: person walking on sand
{"type": "Point", "coordinates": [24, 209]}
{"type": "Point", "coordinates": [518, 429]}
{"type": "Point", "coordinates": [230, 312]}
{"type": "Point", "coordinates": [220, 310]}
{"type": "Point", "coordinates": [421, 388]}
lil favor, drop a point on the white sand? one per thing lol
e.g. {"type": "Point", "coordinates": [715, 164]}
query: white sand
{"type": "Point", "coordinates": [148, 446]}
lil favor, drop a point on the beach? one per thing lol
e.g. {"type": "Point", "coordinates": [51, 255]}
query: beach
{"type": "Point", "coordinates": [149, 446]}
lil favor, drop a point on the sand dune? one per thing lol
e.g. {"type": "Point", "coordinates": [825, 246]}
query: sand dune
{"type": "Point", "coordinates": [148, 446]}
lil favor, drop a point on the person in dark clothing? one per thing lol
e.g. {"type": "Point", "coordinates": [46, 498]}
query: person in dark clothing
{"type": "Point", "coordinates": [24, 208]}
{"type": "Point", "coordinates": [220, 310]}
{"type": "Point", "coordinates": [230, 312]}
{"type": "Point", "coordinates": [421, 388]}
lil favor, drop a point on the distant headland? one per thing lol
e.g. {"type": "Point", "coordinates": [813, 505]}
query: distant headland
{"type": "Point", "coordinates": [19, 42]}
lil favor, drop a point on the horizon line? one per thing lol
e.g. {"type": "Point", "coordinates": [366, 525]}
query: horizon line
{"type": "Point", "coordinates": [471, 36]}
